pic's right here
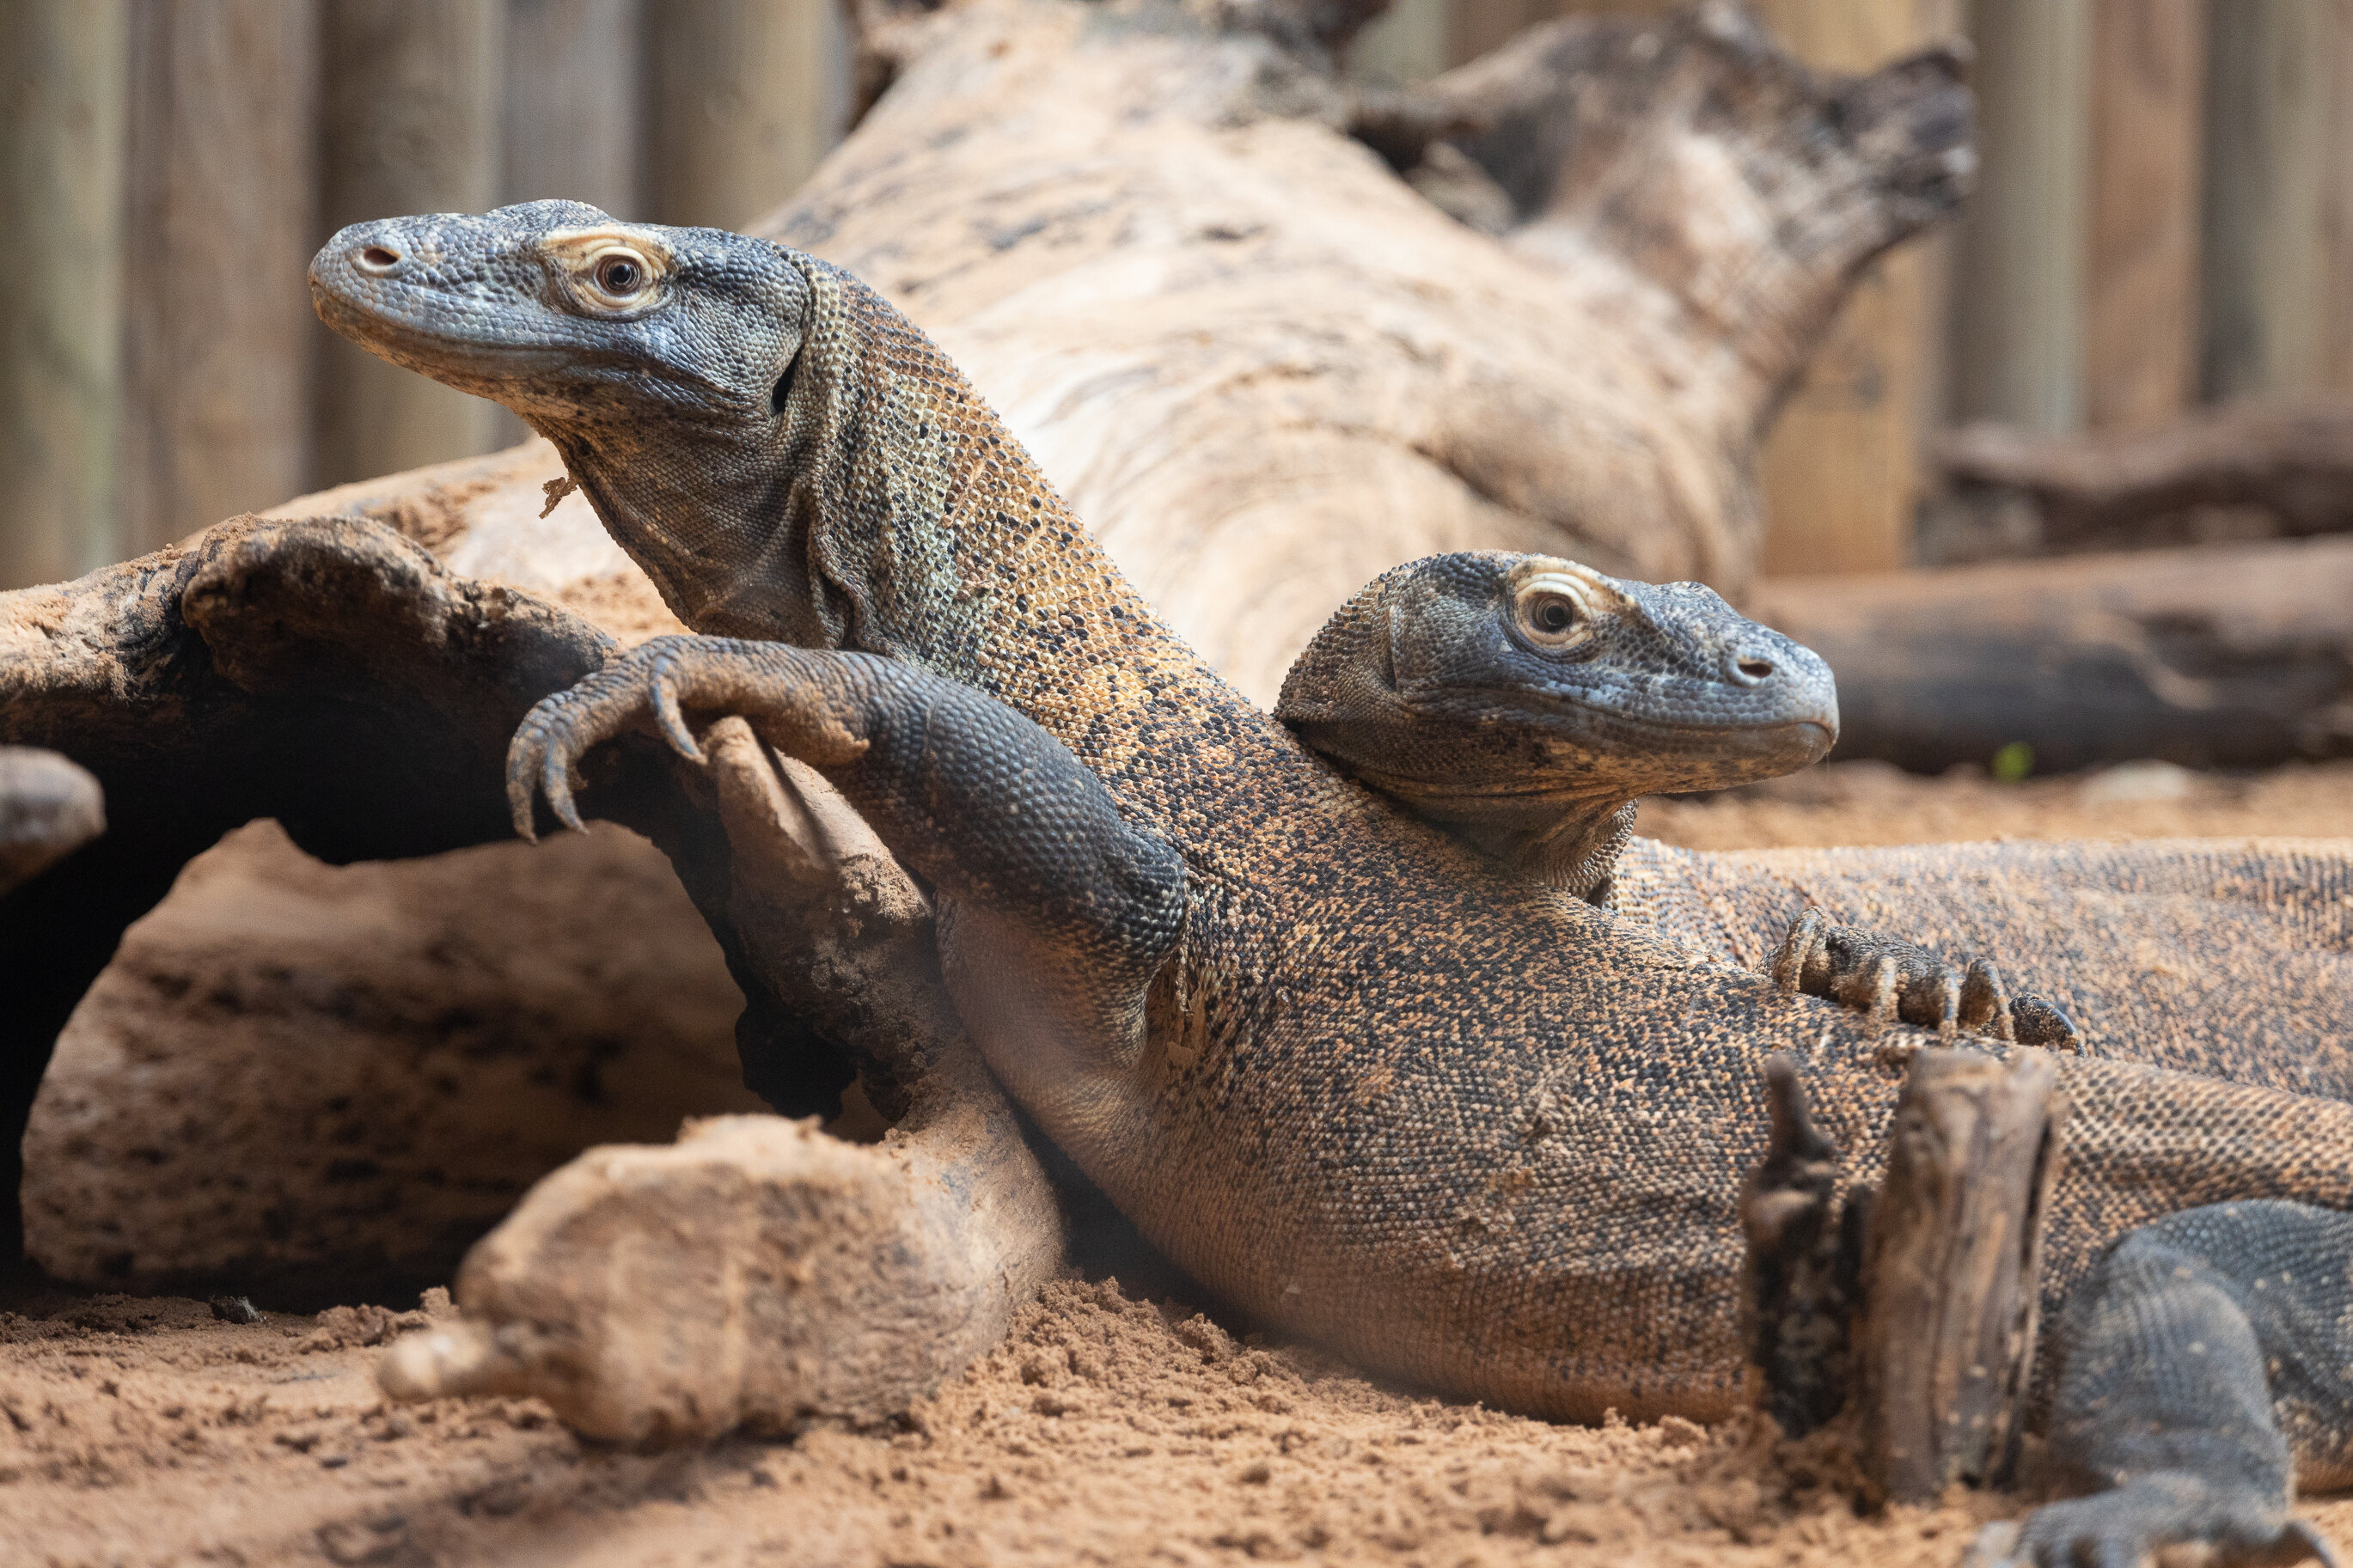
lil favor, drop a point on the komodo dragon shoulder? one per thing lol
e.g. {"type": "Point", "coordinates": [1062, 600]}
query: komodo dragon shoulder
{"type": "Point", "coordinates": [1357, 1078]}
{"type": "Point", "coordinates": [1524, 703]}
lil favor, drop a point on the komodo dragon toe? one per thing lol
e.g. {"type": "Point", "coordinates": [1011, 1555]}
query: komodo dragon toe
{"type": "Point", "coordinates": [1891, 981]}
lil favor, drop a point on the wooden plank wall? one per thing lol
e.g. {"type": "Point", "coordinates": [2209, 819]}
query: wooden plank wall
{"type": "Point", "coordinates": [1842, 469]}
{"type": "Point", "coordinates": [2141, 314]}
{"type": "Point", "coordinates": [217, 411]}
{"type": "Point", "coordinates": [2164, 216]}
{"type": "Point", "coordinates": [411, 92]}
{"type": "Point", "coordinates": [2279, 155]}
{"type": "Point", "coordinates": [161, 368]}
{"type": "Point", "coordinates": [2018, 295]}
{"type": "Point", "coordinates": [745, 96]}
{"type": "Point", "coordinates": [61, 170]}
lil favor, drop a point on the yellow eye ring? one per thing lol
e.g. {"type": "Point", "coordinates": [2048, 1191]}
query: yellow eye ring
{"type": "Point", "coordinates": [618, 278]}
{"type": "Point", "coordinates": [1550, 616]}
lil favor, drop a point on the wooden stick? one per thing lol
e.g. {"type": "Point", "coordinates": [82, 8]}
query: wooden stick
{"type": "Point", "coordinates": [1951, 1271]}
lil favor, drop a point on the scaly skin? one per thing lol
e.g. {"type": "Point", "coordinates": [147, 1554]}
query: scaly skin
{"type": "Point", "coordinates": [1373, 1087]}
{"type": "Point", "coordinates": [1523, 701]}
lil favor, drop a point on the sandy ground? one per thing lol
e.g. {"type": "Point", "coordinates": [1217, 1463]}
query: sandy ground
{"type": "Point", "coordinates": [145, 1430]}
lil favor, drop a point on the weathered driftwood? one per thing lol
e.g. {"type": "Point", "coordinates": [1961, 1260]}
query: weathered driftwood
{"type": "Point", "coordinates": [758, 1272]}
{"type": "Point", "coordinates": [1952, 1264]}
{"type": "Point", "coordinates": [1908, 1315]}
{"type": "Point", "coordinates": [333, 674]}
{"type": "Point", "coordinates": [48, 809]}
{"type": "Point", "coordinates": [2218, 656]}
{"type": "Point", "coordinates": [1263, 369]}
{"type": "Point", "coordinates": [2244, 470]}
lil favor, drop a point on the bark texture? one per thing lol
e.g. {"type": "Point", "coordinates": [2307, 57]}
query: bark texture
{"type": "Point", "coordinates": [333, 674]}
{"type": "Point", "coordinates": [1264, 368]}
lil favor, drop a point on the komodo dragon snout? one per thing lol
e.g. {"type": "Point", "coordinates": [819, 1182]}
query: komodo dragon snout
{"type": "Point", "coordinates": [1526, 700]}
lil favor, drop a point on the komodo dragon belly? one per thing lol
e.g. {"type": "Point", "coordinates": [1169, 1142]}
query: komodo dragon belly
{"type": "Point", "coordinates": [2231, 958]}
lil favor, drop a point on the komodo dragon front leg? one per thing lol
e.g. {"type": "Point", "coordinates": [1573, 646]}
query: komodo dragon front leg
{"type": "Point", "coordinates": [1523, 702]}
{"type": "Point", "coordinates": [1056, 913]}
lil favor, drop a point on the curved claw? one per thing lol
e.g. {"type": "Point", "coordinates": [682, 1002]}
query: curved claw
{"type": "Point", "coordinates": [2134, 1523]}
{"type": "Point", "coordinates": [556, 784]}
{"type": "Point", "coordinates": [2038, 1023]}
{"type": "Point", "coordinates": [1889, 981]}
{"type": "Point", "coordinates": [523, 756]}
{"type": "Point", "coordinates": [661, 687]}
{"type": "Point", "coordinates": [1797, 949]}
{"type": "Point", "coordinates": [1983, 999]}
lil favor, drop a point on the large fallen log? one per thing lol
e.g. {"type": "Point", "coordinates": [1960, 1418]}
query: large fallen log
{"type": "Point", "coordinates": [331, 674]}
{"type": "Point", "coordinates": [1263, 369]}
{"type": "Point", "coordinates": [2223, 657]}
{"type": "Point", "coordinates": [1261, 363]}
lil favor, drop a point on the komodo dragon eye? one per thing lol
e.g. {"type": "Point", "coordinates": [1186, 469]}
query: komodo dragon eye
{"type": "Point", "coordinates": [620, 275]}
{"type": "Point", "coordinates": [1550, 617]}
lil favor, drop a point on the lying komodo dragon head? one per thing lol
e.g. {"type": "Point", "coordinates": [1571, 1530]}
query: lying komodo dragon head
{"type": "Point", "coordinates": [1523, 701]}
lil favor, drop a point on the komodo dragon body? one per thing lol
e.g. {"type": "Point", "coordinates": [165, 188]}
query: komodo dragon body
{"type": "Point", "coordinates": [1350, 1073]}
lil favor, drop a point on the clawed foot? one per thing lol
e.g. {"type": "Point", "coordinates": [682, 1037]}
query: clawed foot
{"type": "Point", "coordinates": [2164, 1518]}
{"type": "Point", "coordinates": [1804, 1271]}
{"type": "Point", "coordinates": [655, 684]}
{"type": "Point", "coordinates": [1891, 981]}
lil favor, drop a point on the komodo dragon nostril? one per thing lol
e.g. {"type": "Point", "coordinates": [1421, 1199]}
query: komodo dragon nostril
{"type": "Point", "coordinates": [1753, 670]}
{"type": "Point", "coordinates": [377, 258]}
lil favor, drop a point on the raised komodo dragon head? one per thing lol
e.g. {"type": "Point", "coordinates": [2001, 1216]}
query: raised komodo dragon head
{"type": "Point", "coordinates": [1523, 701]}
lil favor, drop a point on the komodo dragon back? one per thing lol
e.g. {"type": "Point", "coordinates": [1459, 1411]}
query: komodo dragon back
{"type": "Point", "coordinates": [1355, 1077]}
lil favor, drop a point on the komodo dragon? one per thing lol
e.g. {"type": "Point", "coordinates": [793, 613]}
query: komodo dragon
{"type": "Point", "coordinates": [1348, 1072]}
{"type": "Point", "coordinates": [1524, 703]}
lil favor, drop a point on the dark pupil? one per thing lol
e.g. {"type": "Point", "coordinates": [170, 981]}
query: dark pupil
{"type": "Point", "coordinates": [620, 276]}
{"type": "Point", "coordinates": [1552, 616]}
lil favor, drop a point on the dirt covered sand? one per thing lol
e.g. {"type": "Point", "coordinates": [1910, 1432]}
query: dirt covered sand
{"type": "Point", "coordinates": [139, 1430]}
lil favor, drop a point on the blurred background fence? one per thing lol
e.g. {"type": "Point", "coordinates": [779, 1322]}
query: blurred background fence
{"type": "Point", "coordinates": [2165, 218]}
